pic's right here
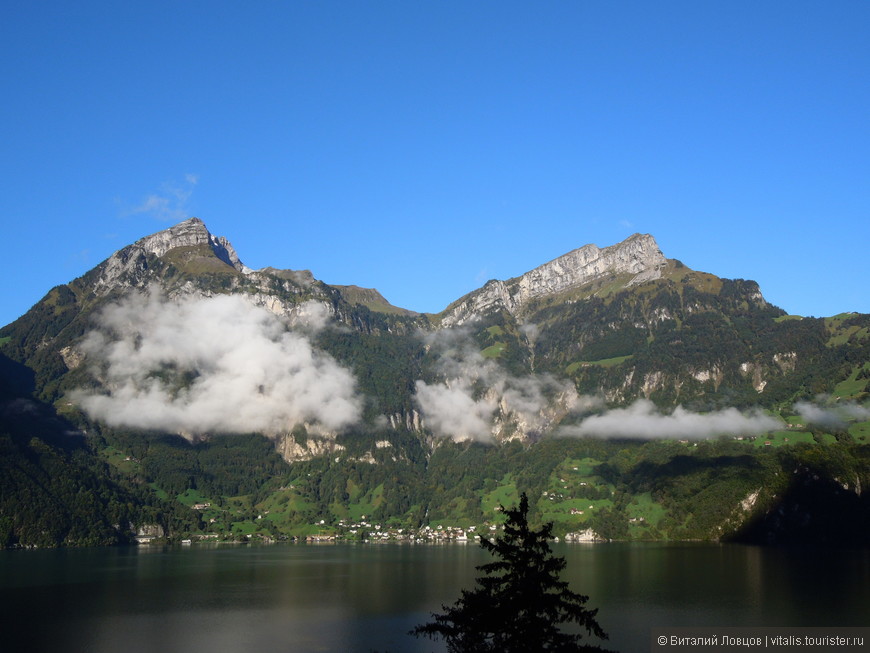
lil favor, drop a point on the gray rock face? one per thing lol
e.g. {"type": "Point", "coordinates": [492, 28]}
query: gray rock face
{"type": "Point", "coordinates": [190, 233]}
{"type": "Point", "coordinates": [292, 294]}
{"type": "Point", "coordinates": [638, 255]}
{"type": "Point", "coordinates": [129, 265]}
{"type": "Point", "coordinates": [313, 447]}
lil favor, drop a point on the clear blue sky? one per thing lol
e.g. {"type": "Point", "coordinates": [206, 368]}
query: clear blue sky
{"type": "Point", "coordinates": [422, 148]}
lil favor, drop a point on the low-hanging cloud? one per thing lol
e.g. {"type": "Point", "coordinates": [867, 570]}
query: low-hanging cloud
{"type": "Point", "coordinates": [831, 416]}
{"type": "Point", "coordinates": [476, 390]}
{"type": "Point", "coordinates": [311, 316]}
{"type": "Point", "coordinates": [209, 365]}
{"type": "Point", "coordinates": [450, 410]}
{"type": "Point", "coordinates": [642, 420]}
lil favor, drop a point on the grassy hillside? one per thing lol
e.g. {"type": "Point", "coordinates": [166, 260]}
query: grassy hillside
{"type": "Point", "coordinates": [625, 490]}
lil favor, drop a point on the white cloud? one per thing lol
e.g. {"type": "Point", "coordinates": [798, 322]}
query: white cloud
{"type": "Point", "coordinates": [642, 420]}
{"type": "Point", "coordinates": [860, 413]}
{"type": "Point", "coordinates": [311, 316]}
{"type": "Point", "coordinates": [171, 204]}
{"type": "Point", "coordinates": [531, 331]}
{"type": "Point", "coordinates": [207, 365]}
{"type": "Point", "coordinates": [476, 390]}
{"type": "Point", "coordinates": [834, 416]}
{"type": "Point", "coordinates": [450, 410]}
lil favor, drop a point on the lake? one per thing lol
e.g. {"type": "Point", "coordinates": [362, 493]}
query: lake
{"type": "Point", "coordinates": [358, 597]}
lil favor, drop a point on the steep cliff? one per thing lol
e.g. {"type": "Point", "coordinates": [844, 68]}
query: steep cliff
{"type": "Point", "coordinates": [130, 265]}
{"type": "Point", "coordinates": [638, 257]}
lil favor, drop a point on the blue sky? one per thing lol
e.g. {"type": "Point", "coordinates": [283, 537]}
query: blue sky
{"type": "Point", "coordinates": [422, 148]}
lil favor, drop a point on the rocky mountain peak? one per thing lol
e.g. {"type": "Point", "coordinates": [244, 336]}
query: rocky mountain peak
{"type": "Point", "coordinates": [190, 233]}
{"type": "Point", "coordinates": [129, 265]}
{"type": "Point", "coordinates": [638, 255]}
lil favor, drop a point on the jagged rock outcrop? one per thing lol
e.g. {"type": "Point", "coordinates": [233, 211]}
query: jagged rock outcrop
{"type": "Point", "coordinates": [756, 373]}
{"type": "Point", "coordinates": [786, 361]}
{"type": "Point", "coordinates": [409, 420]}
{"type": "Point", "coordinates": [293, 450]}
{"type": "Point", "coordinates": [638, 256]}
{"type": "Point", "coordinates": [130, 265]}
{"type": "Point", "coordinates": [190, 233]}
{"type": "Point", "coordinates": [150, 531]}
{"type": "Point", "coordinates": [72, 358]}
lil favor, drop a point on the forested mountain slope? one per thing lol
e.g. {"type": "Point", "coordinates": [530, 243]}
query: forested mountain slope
{"type": "Point", "coordinates": [633, 396]}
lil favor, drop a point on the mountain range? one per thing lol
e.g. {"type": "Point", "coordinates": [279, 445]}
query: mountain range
{"type": "Point", "coordinates": [172, 372]}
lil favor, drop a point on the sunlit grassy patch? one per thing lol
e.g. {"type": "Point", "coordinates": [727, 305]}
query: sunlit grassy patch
{"type": "Point", "coordinates": [494, 351]}
{"type": "Point", "coordinates": [505, 494]}
{"type": "Point", "coordinates": [861, 432]}
{"type": "Point", "coordinates": [604, 362]}
{"type": "Point", "coordinates": [781, 438]}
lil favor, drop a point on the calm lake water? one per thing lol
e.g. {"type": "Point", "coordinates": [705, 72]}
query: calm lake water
{"type": "Point", "coordinates": [305, 598]}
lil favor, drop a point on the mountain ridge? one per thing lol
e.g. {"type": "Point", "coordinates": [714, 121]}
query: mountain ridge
{"type": "Point", "coordinates": [623, 303]}
{"type": "Point", "coordinates": [637, 256]}
{"type": "Point", "coordinates": [166, 355]}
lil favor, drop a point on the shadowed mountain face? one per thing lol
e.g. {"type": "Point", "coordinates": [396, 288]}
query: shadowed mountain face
{"type": "Point", "coordinates": [815, 510]}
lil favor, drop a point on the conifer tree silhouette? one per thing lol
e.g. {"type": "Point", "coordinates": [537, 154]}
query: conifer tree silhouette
{"type": "Point", "coordinates": [519, 603]}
